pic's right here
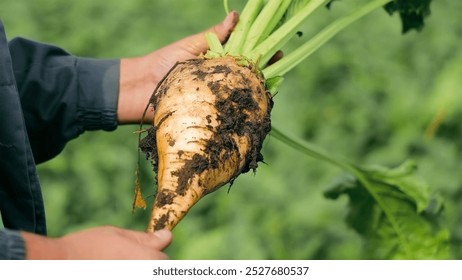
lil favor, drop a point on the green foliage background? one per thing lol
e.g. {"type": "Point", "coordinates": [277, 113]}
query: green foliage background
{"type": "Point", "coordinates": [369, 96]}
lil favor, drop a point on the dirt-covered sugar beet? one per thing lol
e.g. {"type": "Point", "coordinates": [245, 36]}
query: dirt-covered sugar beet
{"type": "Point", "coordinates": [211, 117]}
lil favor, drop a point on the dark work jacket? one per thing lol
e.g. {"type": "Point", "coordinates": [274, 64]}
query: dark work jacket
{"type": "Point", "coordinates": [47, 97]}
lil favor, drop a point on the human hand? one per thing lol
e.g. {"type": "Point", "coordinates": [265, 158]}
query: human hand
{"type": "Point", "coordinates": [139, 76]}
{"type": "Point", "coordinates": [189, 47]}
{"type": "Point", "coordinates": [105, 242]}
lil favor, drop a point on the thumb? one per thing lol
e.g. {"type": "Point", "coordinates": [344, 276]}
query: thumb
{"type": "Point", "coordinates": [224, 29]}
{"type": "Point", "coordinates": [162, 239]}
{"type": "Point", "coordinates": [197, 44]}
{"type": "Point", "coordinates": [158, 240]}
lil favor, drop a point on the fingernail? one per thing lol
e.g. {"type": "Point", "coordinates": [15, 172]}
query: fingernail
{"type": "Point", "coordinates": [232, 18]}
{"type": "Point", "coordinates": [163, 234]}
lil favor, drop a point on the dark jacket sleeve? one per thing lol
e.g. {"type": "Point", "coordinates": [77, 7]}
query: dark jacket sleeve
{"type": "Point", "coordinates": [62, 95]}
{"type": "Point", "coordinates": [11, 245]}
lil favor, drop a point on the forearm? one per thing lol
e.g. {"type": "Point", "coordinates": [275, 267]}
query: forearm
{"type": "Point", "coordinates": [41, 247]}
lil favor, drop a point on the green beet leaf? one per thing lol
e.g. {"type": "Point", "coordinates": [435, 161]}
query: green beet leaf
{"type": "Point", "coordinates": [394, 212]}
{"type": "Point", "coordinates": [392, 209]}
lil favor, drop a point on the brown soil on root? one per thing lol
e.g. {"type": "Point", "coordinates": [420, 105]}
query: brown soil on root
{"type": "Point", "coordinates": [236, 105]}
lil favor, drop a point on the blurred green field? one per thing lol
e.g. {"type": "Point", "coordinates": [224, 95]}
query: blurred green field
{"type": "Point", "coordinates": [371, 95]}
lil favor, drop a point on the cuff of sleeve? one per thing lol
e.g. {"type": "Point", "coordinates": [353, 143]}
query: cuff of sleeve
{"type": "Point", "coordinates": [98, 93]}
{"type": "Point", "coordinates": [12, 245]}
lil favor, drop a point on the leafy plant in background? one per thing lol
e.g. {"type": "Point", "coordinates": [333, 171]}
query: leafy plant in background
{"type": "Point", "coordinates": [382, 102]}
{"type": "Point", "coordinates": [391, 208]}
